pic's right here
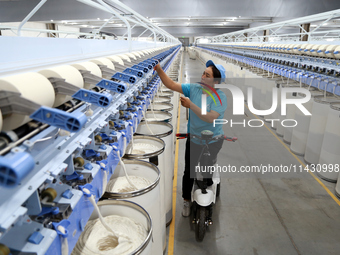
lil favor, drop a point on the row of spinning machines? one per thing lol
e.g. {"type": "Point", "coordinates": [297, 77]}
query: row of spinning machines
{"type": "Point", "coordinates": [61, 130]}
{"type": "Point", "coordinates": [315, 137]}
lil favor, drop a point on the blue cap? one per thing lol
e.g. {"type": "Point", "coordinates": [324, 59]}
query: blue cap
{"type": "Point", "coordinates": [219, 68]}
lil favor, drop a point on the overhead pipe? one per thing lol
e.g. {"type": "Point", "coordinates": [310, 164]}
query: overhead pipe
{"type": "Point", "coordinates": [102, 26]}
{"type": "Point", "coordinates": [122, 19]}
{"type": "Point", "coordinates": [136, 14]}
{"type": "Point", "coordinates": [23, 22]}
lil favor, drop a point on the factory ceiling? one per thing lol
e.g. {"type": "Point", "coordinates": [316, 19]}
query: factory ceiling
{"type": "Point", "coordinates": [179, 18]}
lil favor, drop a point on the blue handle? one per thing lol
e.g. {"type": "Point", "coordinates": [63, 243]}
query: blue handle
{"type": "Point", "coordinates": [72, 122]}
{"type": "Point", "coordinates": [14, 168]}
{"type": "Point", "coordinates": [327, 51]}
{"type": "Point", "coordinates": [319, 51]}
{"type": "Point", "coordinates": [48, 210]}
{"type": "Point", "coordinates": [74, 176]}
{"type": "Point", "coordinates": [141, 68]}
{"type": "Point", "coordinates": [149, 61]}
{"type": "Point", "coordinates": [336, 52]}
{"type": "Point", "coordinates": [155, 60]}
{"type": "Point", "coordinates": [125, 77]}
{"type": "Point", "coordinates": [305, 50]}
{"type": "Point", "coordinates": [133, 72]}
{"type": "Point", "coordinates": [96, 98]}
{"type": "Point", "coordinates": [112, 86]}
{"type": "Point", "coordinates": [64, 224]}
{"type": "Point", "coordinates": [146, 64]}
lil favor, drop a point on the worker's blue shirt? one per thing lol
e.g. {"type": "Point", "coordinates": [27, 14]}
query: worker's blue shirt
{"type": "Point", "coordinates": [195, 124]}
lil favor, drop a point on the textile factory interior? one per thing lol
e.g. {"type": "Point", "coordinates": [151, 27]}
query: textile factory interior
{"type": "Point", "coordinates": [100, 101]}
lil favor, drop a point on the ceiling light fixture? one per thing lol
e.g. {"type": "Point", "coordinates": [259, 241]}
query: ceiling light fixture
{"type": "Point", "coordinates": [51, 20]}
{"type": "Point", "coordinates": [84, 25]}
{"type": "Point", "coordinates": [98, 18]}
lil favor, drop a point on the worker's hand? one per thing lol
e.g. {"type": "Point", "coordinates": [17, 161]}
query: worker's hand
{"type": "Point", "coordinates": [185, 101]}
{"type": "Point", "coordinates": [157, 67]}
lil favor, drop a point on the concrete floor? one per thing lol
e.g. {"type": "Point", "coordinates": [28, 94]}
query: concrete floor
{"type": "Point", "coordinates": [270, 214]}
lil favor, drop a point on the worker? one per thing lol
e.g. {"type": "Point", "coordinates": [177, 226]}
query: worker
{"type": "Point", "coordinates": [213, 74]}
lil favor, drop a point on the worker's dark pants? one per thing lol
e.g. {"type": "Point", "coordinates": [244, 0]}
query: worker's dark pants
{"type": "Point", "coordinates": [192, 154]}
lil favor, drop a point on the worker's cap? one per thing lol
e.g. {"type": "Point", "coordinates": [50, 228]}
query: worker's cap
{"type": "Point", "coordinates": [219, 68]}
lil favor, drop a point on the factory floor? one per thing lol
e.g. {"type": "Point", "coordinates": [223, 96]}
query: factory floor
{"type": "Point", "coordinates": [257, 214]}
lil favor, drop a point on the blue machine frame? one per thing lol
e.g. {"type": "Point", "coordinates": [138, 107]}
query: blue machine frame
{"type": "Point", "coordinates": [50, 160]}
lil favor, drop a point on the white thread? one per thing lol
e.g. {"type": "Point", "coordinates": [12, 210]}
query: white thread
{"type": "Point", "coordinates": [104, 182]}
{"type": "Point", "coordinates": [124, 168]}
{"type": "Point", "coordinates": [64, 242]}
{"type": "Point", "coordinates": [120, 184]}
{"type": "Point", "coordinates": [147, 125]}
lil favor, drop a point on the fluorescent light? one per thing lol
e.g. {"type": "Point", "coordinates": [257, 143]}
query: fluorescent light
{"type": "Point", "coordinates": [106, 19]}
{"type": "Point", "coordinates": [84, 25]}
{"type": "Point", "coordinates": [325, 24]}
{"type": "Point", "coordinates": [51, 20]}
{"type": "Point", "coordinates": [204, 40]}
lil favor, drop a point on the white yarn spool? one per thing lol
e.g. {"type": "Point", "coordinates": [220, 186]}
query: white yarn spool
{"type": "Point", "coordinates": [297, 46]}
{"type": "Point", "coordinates": [337, 55]}
{"type": "Point", "coordinates": [315, 49]}
{"type": "Point", "coordinates": [136, 54]}
{"type": "Point", "coordinates": [116, 59]}
{"type": "Point", "coordinates": [140, 53]}
{"type": "Point", "coordinates": [124, 57]}
{"type": "Point", "coordinates": [105, 62]}
{"type": "Point", "coordinates": [323, 48]}
{"type": "Point", "coordinates": [131, 56]}
{"type": "Point", "coordinates": [308, 48]}
{"type": "Point", "coordinates": [70, 74]}
{"type": "Point", "coordinates": [331, 49]}
{"type": "Point", "coordinates": [89, 66]}
{"type": "Point", "coordinates": [32, 86]}
{"type": "Point", "coordinates": [304, 47]}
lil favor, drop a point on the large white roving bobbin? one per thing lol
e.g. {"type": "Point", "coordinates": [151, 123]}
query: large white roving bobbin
{"type": "Point", "coordinates": [32, 86]}
{"type": "Point", "coordinates": [70, 74]}
{"type": "Point", "coordinates": [89, 66]}
{"type": "Point", "coordinates": [124, 57]}
{"type": "Point", "coordinates": [116, 59]}
{"type": "Point", "coordinates": [105, 62]}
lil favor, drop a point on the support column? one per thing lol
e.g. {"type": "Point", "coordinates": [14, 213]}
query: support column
{"type": "Point", "coordinates": [266, 33]}
{"type": "Point", "coordinates": [51, 26]}
{"type": "Point", "coordinates": [306, 27]}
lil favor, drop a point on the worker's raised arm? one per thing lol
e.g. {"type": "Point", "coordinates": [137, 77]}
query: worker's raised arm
{"type": "Point", "coordinates": [167, 81]}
